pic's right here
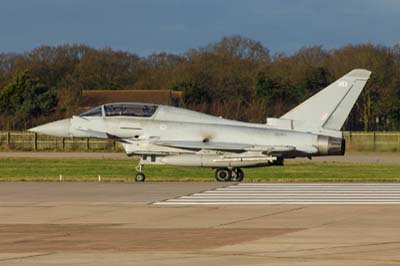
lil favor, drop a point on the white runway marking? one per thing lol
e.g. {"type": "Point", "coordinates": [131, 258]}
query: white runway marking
{"type": "Point", "coordinates": [315, 193]}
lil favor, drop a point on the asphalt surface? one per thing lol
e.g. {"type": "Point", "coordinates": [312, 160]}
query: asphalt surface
{"type": "Point", "coordinates": [304, 194]}
{"type": "Point", "coordinates": [348, 158]}
{"type": "Point", "coordinates": [123, 224]}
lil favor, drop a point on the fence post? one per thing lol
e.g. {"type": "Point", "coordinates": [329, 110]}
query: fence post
{"type": "Point", "coordinates": [87, 144]}
{"type": "Point", "coordinates": [63, 144]}
{"type": "Point", "coordinates": [398, 142]}
{"type": "Point", "coordinates": [8, 137]}
{"type": "Point", "coordinates": [114, 146]}
{"type": "Point", "coordinates": [374, 141]}
{"type": "Point", "coordinates": [35, 141]}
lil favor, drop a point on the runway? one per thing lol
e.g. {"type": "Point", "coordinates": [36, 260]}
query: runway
{"type": "Point", "coordinates": [322, 193]}
{"type": "Point", "coordinates": [94, 224]}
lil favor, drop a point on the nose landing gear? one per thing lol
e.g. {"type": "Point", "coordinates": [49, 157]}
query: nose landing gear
{"type": "Point", "coordinates": [140, 177]}
{"type": "Point", "coordinates": [226, 175]}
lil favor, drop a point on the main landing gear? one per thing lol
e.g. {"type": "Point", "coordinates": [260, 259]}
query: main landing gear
{"type": "Point", "coordinates": [226, 175]}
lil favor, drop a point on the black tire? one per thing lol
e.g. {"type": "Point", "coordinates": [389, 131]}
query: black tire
{"type": "Point", "coordinates": [140, 177]}
{"type": "Point", "coordinates": [239, 175]}
{"type": "Point", "coordinates": [222, 175]}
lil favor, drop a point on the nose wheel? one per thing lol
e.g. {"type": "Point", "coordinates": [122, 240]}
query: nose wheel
{"type": "Point", "coordinates": [226, 175]}
{"type": "Point", "coordinates": [140, 177]}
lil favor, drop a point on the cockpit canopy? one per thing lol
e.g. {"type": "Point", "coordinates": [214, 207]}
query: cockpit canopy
{"type": "Point", "coordinates": [93, 112]}
{"type": "Point", "coordinates": [123, 109]}
{"type": "Point", "coordinates": [129, 109]}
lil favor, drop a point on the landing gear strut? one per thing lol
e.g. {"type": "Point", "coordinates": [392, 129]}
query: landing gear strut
{"type": "Point", "coordinates": [225, 175]}
{"type": "Point", "coordinates": [140, 177]}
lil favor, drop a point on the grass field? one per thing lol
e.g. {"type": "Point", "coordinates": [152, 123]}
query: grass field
{"type": "Point", "coordinates": [38, 169]}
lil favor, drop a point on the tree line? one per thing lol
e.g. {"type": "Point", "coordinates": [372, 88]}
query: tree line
{"type": "Point", "coordinates": [236, 77]}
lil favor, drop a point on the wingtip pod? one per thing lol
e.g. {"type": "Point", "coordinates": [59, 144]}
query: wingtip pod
{"type": "Point", "coordinates": [359, 73]}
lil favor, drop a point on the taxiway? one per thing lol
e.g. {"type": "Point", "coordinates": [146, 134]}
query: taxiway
{"type": "Point", "coordinates": [123, 224]}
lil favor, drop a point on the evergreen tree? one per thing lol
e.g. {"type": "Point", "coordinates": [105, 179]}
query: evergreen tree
{"type": "Point", "coordinates": [25, 97]}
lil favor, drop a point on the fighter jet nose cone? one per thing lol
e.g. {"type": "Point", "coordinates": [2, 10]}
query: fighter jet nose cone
{"type": "Point", "coordinates": [58, 128]}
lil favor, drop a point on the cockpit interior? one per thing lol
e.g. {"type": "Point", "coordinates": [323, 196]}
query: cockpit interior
{"type": "Point", "coordinates": [122, 109]}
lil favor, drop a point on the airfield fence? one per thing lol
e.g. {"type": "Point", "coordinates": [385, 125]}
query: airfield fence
{"type": "Point", "coordinates": [27, 141]}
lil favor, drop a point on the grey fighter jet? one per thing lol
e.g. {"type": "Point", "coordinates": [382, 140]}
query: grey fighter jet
{"type": "Point", "coordinates": [175, 136]}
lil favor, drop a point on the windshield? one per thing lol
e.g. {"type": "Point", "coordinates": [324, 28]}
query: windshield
{"type": "Point", "coordinates": [93, 112]}
{"type": "Point", "coordinates": [130, 109]}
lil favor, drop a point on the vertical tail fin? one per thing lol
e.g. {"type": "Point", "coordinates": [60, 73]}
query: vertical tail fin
{"type": "Point", "coordinates": [330, 107]}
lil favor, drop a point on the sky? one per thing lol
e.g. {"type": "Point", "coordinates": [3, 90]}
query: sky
{"type": "Point", "coordinates": [174, 26]}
